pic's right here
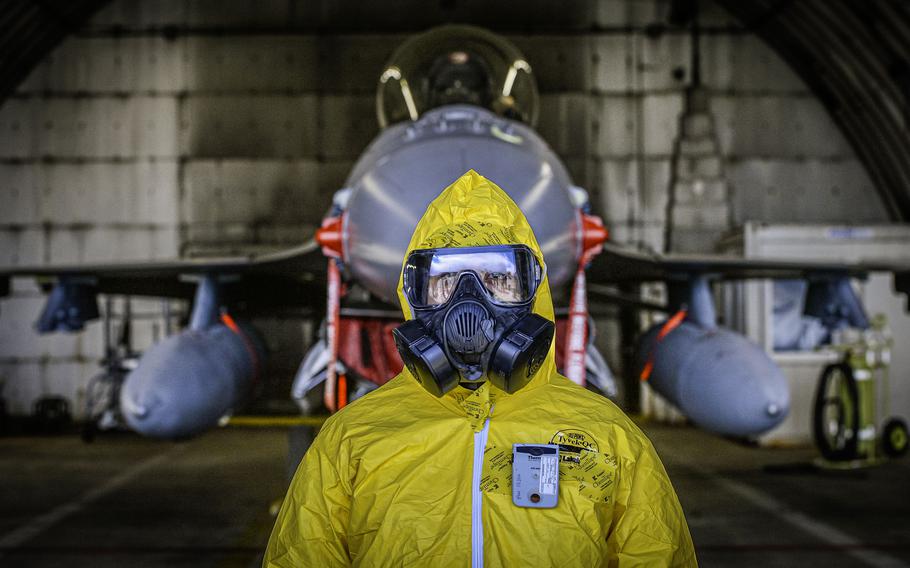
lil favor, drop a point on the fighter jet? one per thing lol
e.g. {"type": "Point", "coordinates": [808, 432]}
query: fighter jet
{"type": "Point", "coordinates": [449, 100]}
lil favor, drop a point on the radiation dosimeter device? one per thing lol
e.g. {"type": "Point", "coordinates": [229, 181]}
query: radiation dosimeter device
{"type": "Point", "coordinates": [535, 475]}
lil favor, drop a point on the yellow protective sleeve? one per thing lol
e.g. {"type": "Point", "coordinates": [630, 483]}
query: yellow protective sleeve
{"type": "Point", "coordinates": [649, 528]}
{"type": "Point", "coordinates": [312, 525]}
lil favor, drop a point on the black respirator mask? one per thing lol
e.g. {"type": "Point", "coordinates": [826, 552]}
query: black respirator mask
{"type": "Point", "coordinates": [472, 317]}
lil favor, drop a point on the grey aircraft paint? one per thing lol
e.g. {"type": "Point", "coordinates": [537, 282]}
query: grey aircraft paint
{"type": "Point", "coordinates": [719, 379]}
{"type": "Point", "coordinates": [186, 383]}
{"type": "Point", "coordinates": [408, 165]}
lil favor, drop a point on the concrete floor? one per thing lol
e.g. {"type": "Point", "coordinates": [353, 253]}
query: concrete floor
{"type": "Point", "coordinates": [128, 501]}
{"type": "Point", "coordinates": [125, 501]}
{"type": "Point", "coordinates": [751, 506]}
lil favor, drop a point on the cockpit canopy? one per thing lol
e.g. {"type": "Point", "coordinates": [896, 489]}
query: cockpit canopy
{"type": "Point", "coordinates": [456, 65]}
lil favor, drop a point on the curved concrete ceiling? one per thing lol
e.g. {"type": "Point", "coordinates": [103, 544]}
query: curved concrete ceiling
{"type": "Point", "coordinates": [30, 29]}
{"type": "Point", "coordinates": [854, 55]}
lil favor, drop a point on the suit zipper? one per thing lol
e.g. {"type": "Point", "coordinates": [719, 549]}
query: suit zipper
{"type": "Point", "coordinates": [480, 443]}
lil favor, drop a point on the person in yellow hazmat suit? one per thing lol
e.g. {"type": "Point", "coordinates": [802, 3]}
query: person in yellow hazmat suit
{"type": "Point", "coordinates": [479, 452]}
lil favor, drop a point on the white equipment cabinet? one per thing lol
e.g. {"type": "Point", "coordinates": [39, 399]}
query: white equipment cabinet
{"type": "Point", "coordinates": [747, 307]}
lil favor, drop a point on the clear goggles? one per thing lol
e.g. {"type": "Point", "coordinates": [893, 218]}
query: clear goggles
{"type": "Point", "coordinates": [510, 274]}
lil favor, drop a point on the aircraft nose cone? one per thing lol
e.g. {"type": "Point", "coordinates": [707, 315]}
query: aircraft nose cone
{"type": "Point", "coordinates": [772, 409]}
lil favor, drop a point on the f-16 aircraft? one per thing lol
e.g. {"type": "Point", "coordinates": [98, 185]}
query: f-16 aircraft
{"type": "Point", "coordinates": [452, 99]}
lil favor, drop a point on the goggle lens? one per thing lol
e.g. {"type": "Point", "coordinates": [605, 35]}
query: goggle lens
{"type": "Point", "coordinates": [509, 274]}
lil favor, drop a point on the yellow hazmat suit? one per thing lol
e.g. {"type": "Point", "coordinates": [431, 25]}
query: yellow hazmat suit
{"type": "Point", "coordinates": [402, 478]}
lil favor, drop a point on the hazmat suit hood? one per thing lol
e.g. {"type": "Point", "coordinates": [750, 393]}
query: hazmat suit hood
{"type": "Point", "coordinates": [474, 212]}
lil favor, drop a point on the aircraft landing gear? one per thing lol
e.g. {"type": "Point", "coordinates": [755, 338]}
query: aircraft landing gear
{"type": "Point", "coordinates": [102, 396]}
{"type": "Point", "coordinates": [102, 402]}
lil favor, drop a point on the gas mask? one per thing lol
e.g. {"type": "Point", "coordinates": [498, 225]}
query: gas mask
{"type": "Point", "coordinates": [472, 317]}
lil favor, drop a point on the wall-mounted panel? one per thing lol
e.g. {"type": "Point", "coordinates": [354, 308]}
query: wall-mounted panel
{"type": "Point", "coordinates": [54, 243]}
{"type": "Point", "coordinates": [348, 124]}
{"type": "Point", "coordinates": [252, 201]}
{"type": "Point", "coordinates": [793, 191]}
{"type": "Point", "coordinates": [354, 63]}
{"type": "Point", "coordinates": [253, 64]}
{"type": "Point", "coordinates": [560, 63]}
{"type": "Point", "coordinates": [633, 190]}
{"type": "Point", "coordinates": [105, 65]}
{"type": "Point", "coordinates": [612, 63]}
{"type": "Point", "coordinates": [137, 193]}
{"type": "Point", "coordinates": [249, 126]}
{"type": "Point", "coordinates": [777, 126]}
{"type": "Point", "coordinates": [79, 128]}
{"type": "Point", "coordinates": [565, 123]}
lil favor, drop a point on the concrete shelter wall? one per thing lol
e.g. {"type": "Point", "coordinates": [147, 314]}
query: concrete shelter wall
{"type": "Point", "coordinates": [173, 127]}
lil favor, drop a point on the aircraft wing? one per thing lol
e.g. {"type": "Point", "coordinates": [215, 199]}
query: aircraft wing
{"type": "Point", "coordinates": [286, 277]}
{"type": "Point", "coordinates": [618, 264]}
